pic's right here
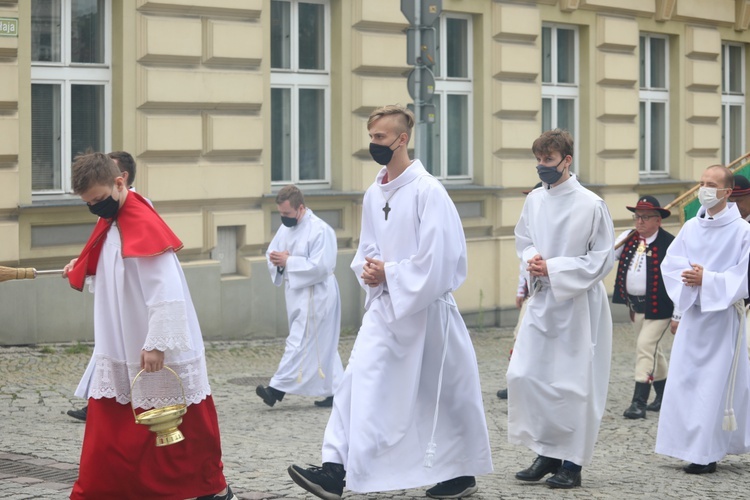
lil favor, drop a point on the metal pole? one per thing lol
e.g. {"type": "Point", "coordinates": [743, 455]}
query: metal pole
{"type": "Point", "coordinates": [419, 128]}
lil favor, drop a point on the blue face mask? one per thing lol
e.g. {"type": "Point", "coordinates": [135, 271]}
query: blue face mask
{"type": "Point", "coordinates": [549, 175]}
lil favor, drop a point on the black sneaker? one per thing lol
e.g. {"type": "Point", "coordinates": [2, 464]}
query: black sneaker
{"type": "Point", "coordinates": [455, 488]}
{"type": "Point", "coordinates": [79, 414]}
{"type": "Point", "coordinates": [324, 403]}
{"type": "Point", "coordinates": [227, 496]}
{"type": "Point", "coordinates": [325, 482]}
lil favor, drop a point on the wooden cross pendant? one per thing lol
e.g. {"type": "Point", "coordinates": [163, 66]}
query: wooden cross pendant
{"type": "Point", "coordinates": [386, 209]}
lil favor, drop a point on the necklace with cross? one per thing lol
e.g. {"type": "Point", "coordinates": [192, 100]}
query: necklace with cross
{"type": "Point", "coordinates": [387, 208]}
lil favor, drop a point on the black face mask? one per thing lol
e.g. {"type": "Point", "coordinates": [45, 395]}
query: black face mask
{"type": "Point", "coordinates": [106, 209]}
{"type": "Point", "coordinates": [289, 221]}
{"type": "Point", "coordinates": [549, 175]}
{"type": "Point", "coordinates": [382, 154]}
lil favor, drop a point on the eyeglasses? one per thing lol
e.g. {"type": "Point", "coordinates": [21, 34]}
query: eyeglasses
{"type": "Point", "coordinates": [644, 218]}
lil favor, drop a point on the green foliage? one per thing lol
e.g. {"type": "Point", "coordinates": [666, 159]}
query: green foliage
{"type": "Point", "coordinates": [78, 348]}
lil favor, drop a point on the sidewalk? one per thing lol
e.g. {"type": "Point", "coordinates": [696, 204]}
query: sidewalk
{"type": "Point", "coordinates": [40, 444]}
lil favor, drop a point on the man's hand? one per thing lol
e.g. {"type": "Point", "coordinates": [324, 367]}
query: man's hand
{"type": "Point", "coordinates": [278, 258]}
{"type": "Point", "coordinates": [694, 276]}
{"type": "Point", "coordinates": [673, 326]}
{"type": "Point", "coordinates": [152, 361]}
{"type": "Point", "coordinates": [519, 301]}
{"type": "Point", "coordinates": [69, 267]}
{"type": "Point", "coordinates": [632, 315]}
{"type": "Point", "coordinates": [373, 273]}
{"type": "Point", "coordinates": [537, 266]}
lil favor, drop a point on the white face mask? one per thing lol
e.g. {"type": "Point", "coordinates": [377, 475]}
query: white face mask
{"type": "Point", "coordinates": [707, 196]}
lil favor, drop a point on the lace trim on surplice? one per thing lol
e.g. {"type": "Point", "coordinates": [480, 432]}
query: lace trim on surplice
{"type": "Point", "coordinates": [168, 327]}
{"type": "Point", "coordinates": [112, 378]}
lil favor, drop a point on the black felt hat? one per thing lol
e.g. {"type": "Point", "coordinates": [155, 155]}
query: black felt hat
{"type": "Point", "coordinates": [649, 202]}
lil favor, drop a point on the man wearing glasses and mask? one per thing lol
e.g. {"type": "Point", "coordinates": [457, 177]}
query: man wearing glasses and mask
{"type": "Point", "coordinates": [640, 286]}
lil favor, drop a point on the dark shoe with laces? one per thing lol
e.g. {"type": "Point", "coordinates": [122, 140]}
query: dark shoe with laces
{"type": "Point", "coordinates": [227, 496]}
{"type": "Point", "coordinates": [540, 468]}
{"type": "Point", "coordinates": [458, 487]}
{"type": "Point", "coordinates": [324, 403]}
{"type": "Point", "coordinates": [269, 395]}
{"type": "Point", "coordinates": [79, 414]}
{"type": "Point", "coordinates": [325, 482]}
{"type": "Point", "coordinates": [565, 479]}
{"type": "Point", "coordinates": [700, 469]}
{"type": "Point", "coordinates": [502, 393]}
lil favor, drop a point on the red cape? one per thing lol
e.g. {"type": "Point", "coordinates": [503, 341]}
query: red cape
{"type": "Point", "coordinates": [142, 233]}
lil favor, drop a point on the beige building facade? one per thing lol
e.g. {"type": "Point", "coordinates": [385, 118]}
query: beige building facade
{"type": "Point", "coordinates": [222, 102]}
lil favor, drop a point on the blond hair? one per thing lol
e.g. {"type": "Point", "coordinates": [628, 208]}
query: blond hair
{"type": "Point", "coordinates": [406, 121]}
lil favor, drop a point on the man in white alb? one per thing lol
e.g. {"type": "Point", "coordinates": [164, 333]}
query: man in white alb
{"type": "Point", "coordinates": [704, 414]}
{"type": "Point", "coordinates": [559, 369]}
{"type": "Point", "coordinates": [302, 257]}
{"type": "Point", "coordinates": [408, 412]}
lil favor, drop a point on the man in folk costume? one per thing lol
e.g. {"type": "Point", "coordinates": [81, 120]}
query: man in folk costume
{"type": "Point", "coordinates": [143, 320]}
{"type": "Point", "coordinates": [559, 370]}
{"type": "Point", "coordinates": [705, 412]}
{"type": "Point", "coordinates": [640, 286]}
{"type": "Point", "coordinates": [409, 410]}
{"type": "Point", "coordinates": [302, 257]}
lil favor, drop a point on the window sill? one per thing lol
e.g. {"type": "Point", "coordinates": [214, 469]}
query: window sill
{"type": "Point", "coordinates": [54, 200]}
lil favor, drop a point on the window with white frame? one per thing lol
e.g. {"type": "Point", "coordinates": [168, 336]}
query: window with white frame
{"type": "Point", "coordinates": [300, 92]}
{"type": "Point", "coordinates": [70, 87]}
{"type": "Point", "coordinates": [732, 101]}
{"type": "Point", "coordinates": [560, 87]}
{"type": "Point", "coordinates": [654, 106]}
{"type": "Point", "coordinates": [449, 145]}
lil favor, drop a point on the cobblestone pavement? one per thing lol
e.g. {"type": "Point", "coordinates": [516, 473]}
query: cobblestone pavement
{"type": "Point", "coordinates": [40, 444]}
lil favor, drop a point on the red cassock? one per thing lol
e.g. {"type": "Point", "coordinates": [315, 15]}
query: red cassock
{"type": "Point", "coordinates": [119, 458]}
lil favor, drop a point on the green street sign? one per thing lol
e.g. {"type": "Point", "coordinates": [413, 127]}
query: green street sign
{"type": "Point", "coordinates": [8, 26]}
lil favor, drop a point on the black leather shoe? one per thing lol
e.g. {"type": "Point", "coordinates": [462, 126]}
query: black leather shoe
{"type": "Point", "coordinates": [268, 395]}
{"type": "Point", "coordinates": [565, 478]}
{"type": "Point", "coordinates": [502, 393]}
{"type": "Point", "coordinates": [324, 403]}
{"type": "Point", "coordinates": [79, 414]}
{"type": "Point", "coordinates": [458, 487]}
{"type": "Point", "coordinates": [700, 469]}
{"type": "Point", "coordinates": [540, 468]}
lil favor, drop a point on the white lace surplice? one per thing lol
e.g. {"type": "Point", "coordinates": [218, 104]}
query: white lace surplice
{"type": "Point", "coordinates": [143, 303]}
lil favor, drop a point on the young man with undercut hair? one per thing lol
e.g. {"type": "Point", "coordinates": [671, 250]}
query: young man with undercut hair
{"type": "Point", "coordinates": [408, 411]}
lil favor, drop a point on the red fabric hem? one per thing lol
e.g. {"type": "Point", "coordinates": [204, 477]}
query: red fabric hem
{"type": "Point", "coordinates": [120, 459]}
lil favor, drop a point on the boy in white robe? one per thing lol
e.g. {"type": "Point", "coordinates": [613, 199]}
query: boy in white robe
{"type": "Point", "coordinates": [302, 257]}
{"type": "Point", "coordinates": [408, 411]}
{"type": "Point", "coordinates": [705, 413]}
{"type": "Point", "coordinates": [559, 370]}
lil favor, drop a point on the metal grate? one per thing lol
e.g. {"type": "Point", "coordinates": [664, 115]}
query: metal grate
{"type": "Point", "coordinates": [250, 381]}
{"type": "Point", "coordinates": [18, 468]}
